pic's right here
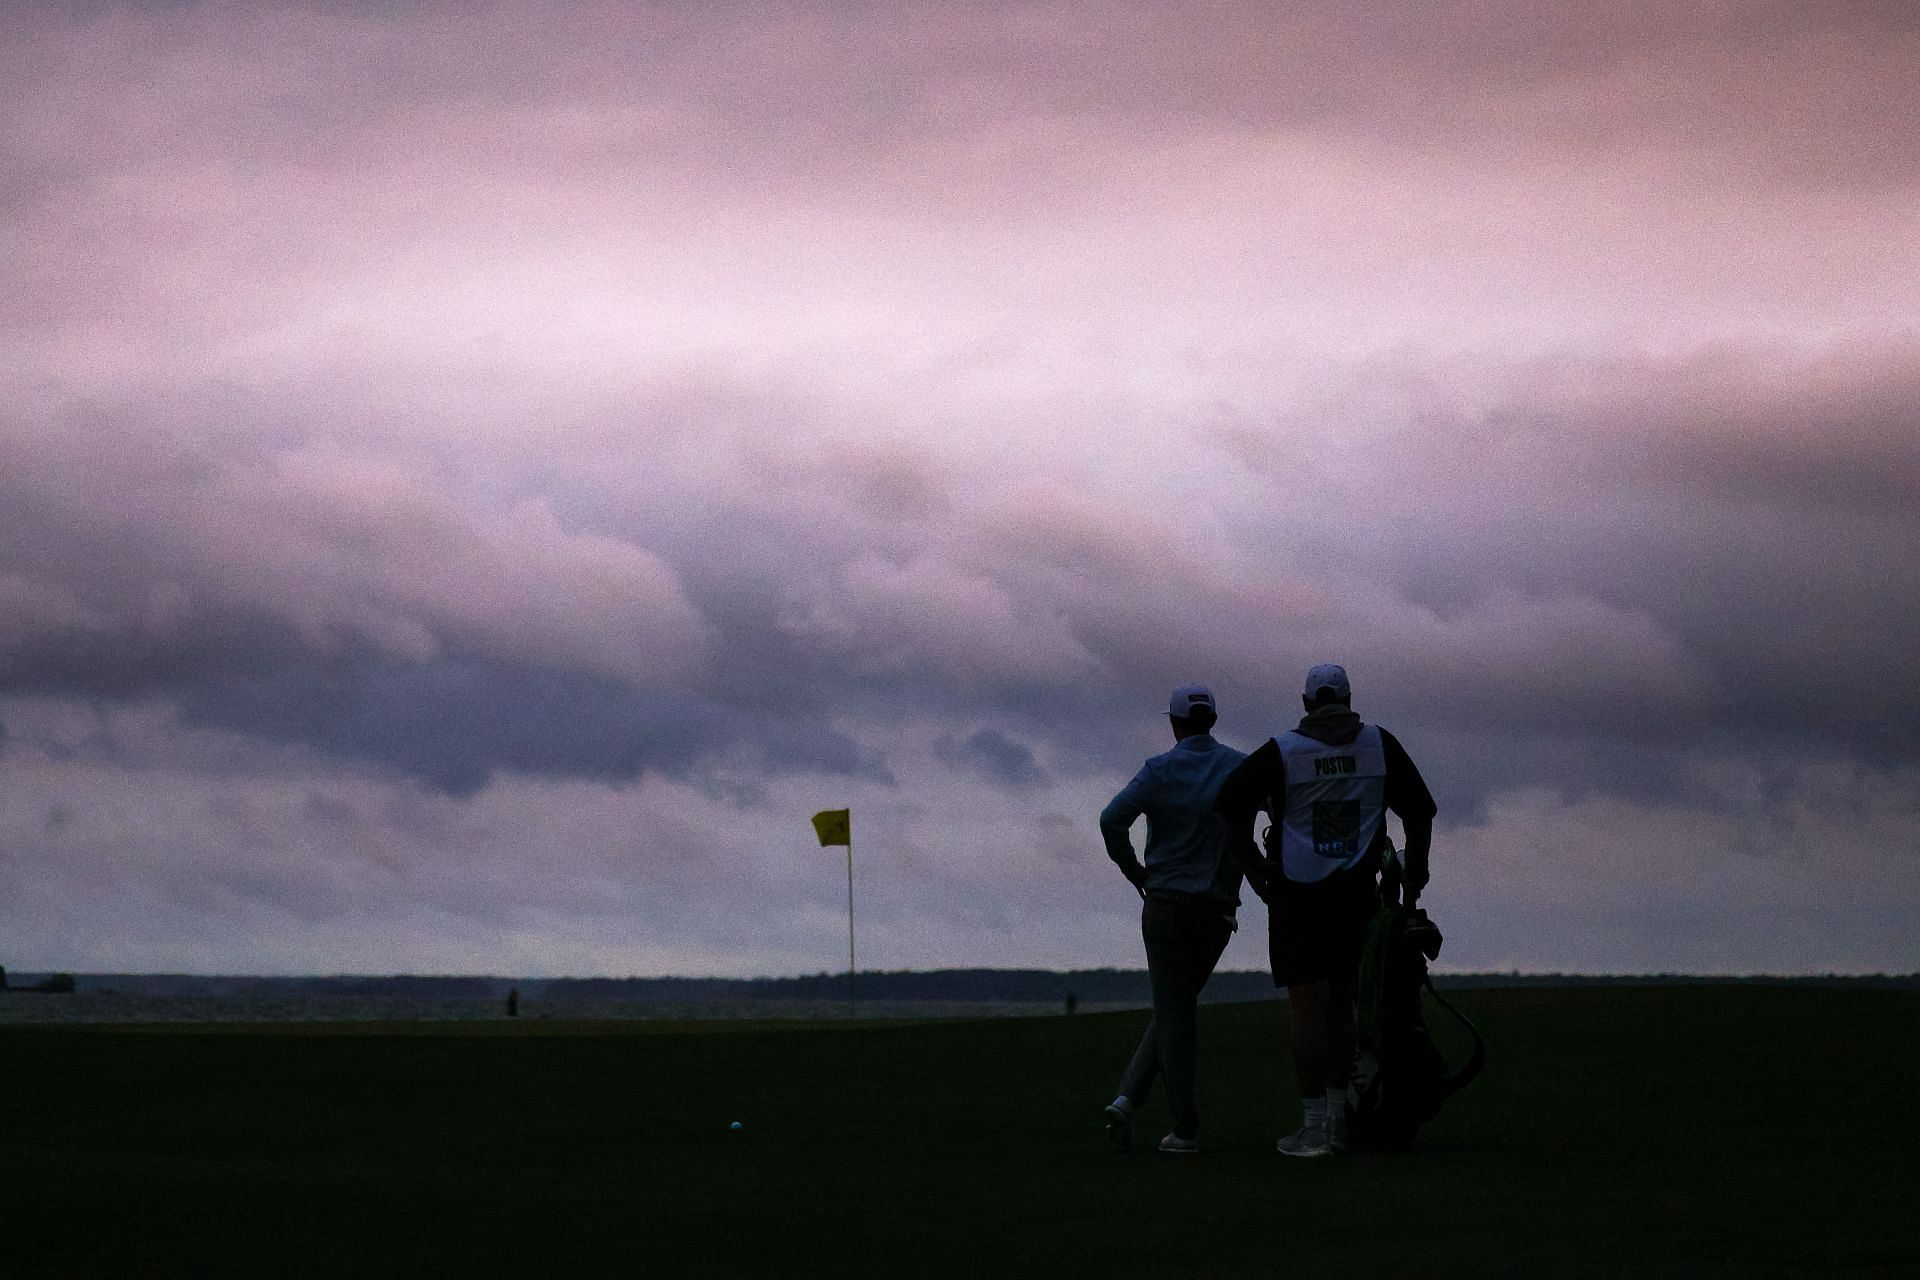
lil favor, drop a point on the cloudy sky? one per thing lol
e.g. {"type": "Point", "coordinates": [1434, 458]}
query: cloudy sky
{"type": "Point", "coordinates": [474, 479]}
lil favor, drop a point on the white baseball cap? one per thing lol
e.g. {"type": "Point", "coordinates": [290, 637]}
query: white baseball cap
{"type": "Point", "coordinates": [1189, 696]}
{"type": "Point", "coordinates": [1329, 675]}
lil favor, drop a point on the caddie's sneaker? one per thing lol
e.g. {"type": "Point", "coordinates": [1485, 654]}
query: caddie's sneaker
{"type": "Point", "coordinates": [1119, 1126]}
{"type": "Point", "coordinates": [1174, 1144]}
{"type": "Point", "coordinates": [1310, 1141]}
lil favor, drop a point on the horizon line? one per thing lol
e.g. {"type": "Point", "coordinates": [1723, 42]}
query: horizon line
{"type": "Point", "coordinates": [1437, 971]}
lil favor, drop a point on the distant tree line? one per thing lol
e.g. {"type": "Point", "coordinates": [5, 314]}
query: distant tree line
{"type": "Point", "coordinates": [44, 984]}
{"type": "Point", "coordinates": [1032, 986]}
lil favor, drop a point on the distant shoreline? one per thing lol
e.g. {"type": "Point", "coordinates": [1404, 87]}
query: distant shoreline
{"type": "Point", "coordinates": [1089, 987]}
{"type": "Point", "coordinates": [409, 1001]}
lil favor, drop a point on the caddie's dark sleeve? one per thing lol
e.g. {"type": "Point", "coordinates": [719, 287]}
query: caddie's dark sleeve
{"type": "Point", "coordinates": [1242, 796]}
{"type": "Point", "coordinates": [1407, 795]}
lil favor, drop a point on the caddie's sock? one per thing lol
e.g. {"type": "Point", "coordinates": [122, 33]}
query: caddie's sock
{"type": "Point", "coordinates": [1336, 1101]}
{"type": "Point", "coordinates": [1124, 1103]}
{"type": "Point", "coordinates": [1315, 1110]}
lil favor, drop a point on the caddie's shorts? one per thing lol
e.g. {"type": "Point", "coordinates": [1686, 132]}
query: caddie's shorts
{"type": "Point", "coordinates": [1315, 931]}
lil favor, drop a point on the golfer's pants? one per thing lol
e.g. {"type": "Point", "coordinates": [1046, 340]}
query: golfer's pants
{"type": "Point", "coordinates": [1185, 936]}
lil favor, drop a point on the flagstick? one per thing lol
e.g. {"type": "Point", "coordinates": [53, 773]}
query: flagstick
{"type": "Point", "coordinates": [850, 962]}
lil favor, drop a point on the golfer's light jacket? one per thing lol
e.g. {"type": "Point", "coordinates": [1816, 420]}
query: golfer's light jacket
{"type": "Point", "coordinates": [1186, 841]}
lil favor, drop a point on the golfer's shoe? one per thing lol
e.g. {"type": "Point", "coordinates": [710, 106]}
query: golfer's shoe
{"type": "Point", "coordinates": [1310, 1141]}
{"type": "Point", "coordinates": [1175, 1145]}
{"type": "Point", "coordinates": [1119, 1126]}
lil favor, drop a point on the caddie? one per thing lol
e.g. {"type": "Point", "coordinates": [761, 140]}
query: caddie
{"type": "Point", "coordinates": [1326, 786]}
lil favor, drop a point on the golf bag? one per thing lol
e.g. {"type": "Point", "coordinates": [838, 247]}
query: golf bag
{"type": "Point", "coordinates": [1399, 1077]}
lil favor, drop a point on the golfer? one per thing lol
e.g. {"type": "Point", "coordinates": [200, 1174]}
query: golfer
{"type": "Point", "coordinates": [1191, 891]}
{"type": "Point", "coordinates": [1326, 786]}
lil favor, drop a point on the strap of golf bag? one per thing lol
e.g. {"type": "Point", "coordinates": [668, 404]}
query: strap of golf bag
{"type": "Point", "coordinates": [1464, 1076]}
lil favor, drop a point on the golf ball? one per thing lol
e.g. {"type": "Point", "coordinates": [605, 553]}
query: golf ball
{"type": "Point", "coordinates": [735, 1126]}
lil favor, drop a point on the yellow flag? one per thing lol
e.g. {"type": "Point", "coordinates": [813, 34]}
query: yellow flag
{"type": "Point", "coordinates": [834, 826]}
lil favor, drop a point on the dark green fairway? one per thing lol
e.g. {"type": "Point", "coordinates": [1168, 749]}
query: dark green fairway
{"type": "Point", "coordinates": [1681, 1131]}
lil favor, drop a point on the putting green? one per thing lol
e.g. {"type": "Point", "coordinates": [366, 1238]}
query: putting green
{"type": "Point", "coordinates": [1684, 1131]}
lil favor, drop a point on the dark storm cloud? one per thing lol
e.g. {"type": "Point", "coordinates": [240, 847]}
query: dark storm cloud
{"type": "Point", "coordinates": [991, 754]}
{"type": "Point", "coordinates": [156, 526]}
{"type": "Point", "coordinates": [1835, 439]}
{"type": "Point", "coordinates": [1568, 568]}
{"type": "Point", "coordinates": [324, 603]}
{"type": "Point", "coordinates": [450, 723]}
{"type": "Point", "coordinates": [1761, 514]}
{"type": "Point", "coordinates": [1721, 543]}
{"type": "Point", "coordinates": [1591, 572]}
{"type": "Point", "coordinates": [453, 724]}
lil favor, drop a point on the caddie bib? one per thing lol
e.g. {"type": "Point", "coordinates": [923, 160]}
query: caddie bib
{"type": "Point", "coordinates": [1335, 802]}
